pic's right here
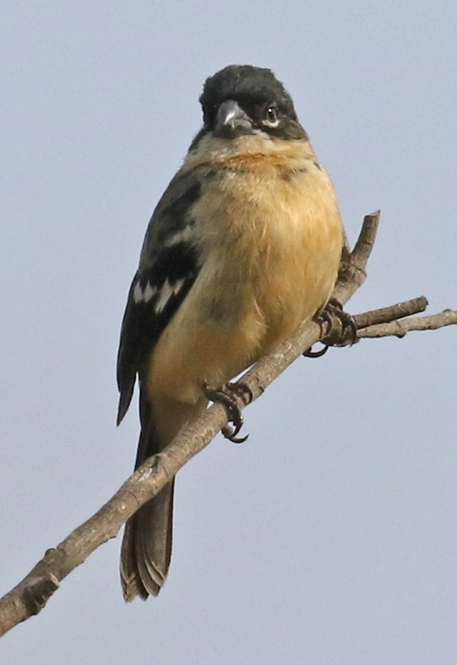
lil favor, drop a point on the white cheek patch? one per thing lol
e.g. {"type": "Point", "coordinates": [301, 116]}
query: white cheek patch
{"type": "Point", "coordinates": [166, 292]}
{"type": "Point", "coordinates": [143, 296]}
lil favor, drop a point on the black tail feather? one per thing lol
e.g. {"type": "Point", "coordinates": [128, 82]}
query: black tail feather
{"type": "Point", "coordinates": [147, 542]}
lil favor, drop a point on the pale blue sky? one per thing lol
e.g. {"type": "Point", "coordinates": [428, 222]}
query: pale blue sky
{"type": "Point", "coordinates": [330, 536]}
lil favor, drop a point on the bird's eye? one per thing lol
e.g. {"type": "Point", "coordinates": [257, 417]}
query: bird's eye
{"type": "Point", "coordinates": [271, 116]}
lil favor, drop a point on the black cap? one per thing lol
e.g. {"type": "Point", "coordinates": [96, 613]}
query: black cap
{"type": "Point", "coordinates": [245, 83]}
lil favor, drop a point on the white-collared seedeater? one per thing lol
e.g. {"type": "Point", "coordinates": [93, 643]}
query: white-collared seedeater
{"type": "Point", "coordinates": [243, 246]}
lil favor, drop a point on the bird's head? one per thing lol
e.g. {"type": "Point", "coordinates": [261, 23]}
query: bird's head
{"type": "Point", "coordinates": [242, 100]}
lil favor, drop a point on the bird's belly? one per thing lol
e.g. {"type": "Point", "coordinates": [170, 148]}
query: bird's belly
{"type": "Point", "coordinates": [285, 240]}
{"type": "Point", "coordinates": [284, 255]}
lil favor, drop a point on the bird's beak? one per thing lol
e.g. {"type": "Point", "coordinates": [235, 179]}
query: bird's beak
{"type": "Point", "coordinates": [232, 121]}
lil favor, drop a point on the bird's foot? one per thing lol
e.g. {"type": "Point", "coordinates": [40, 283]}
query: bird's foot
{"type": "Point", "coordinates": [227, 396]}
{"type": "Point", "coordinates": [342, 333]}
{"type": "Point", "coordinates": [346, 332]}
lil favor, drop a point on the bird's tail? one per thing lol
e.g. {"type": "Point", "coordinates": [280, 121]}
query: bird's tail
{"type": "Point", "coordinates": [146, 546]}
{"type": "Point", "coordinates": [147, 542]}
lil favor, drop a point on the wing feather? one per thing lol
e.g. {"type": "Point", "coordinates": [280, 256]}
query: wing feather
{"type": "Point", "coordinates": [169, 264]}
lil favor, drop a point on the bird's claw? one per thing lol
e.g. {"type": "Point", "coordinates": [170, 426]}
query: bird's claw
{"type": "Point", "coordinates": [333, 337]}
{"type": "Point", "coordinates": [226, 395]}
{"type": "Point", "coordinates": [309, 353]}
{"type": "Point", "coordinates": [348, 327]}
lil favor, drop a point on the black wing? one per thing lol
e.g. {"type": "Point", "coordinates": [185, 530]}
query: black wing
{"type": "Point", "coordinates": [169, 265]}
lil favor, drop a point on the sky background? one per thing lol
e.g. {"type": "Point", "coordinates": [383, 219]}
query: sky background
{"type": "Point", "coordinates": [330, 536]}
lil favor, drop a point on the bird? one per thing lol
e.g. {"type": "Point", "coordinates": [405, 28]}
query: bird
{"type": "Point", "coordinates": [243, 247]}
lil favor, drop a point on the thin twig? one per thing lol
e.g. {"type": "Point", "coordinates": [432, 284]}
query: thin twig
{"type": "Point", "coordinates": [338, 334]}
{"type": "Point", "coordinates": [392, 313]}
{"type": "Point", "coordinates": [400, 328]}
{"type": "Point", "coordinates": [352, 272]}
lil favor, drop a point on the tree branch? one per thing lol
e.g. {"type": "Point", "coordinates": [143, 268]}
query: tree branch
{"type": "Point", "coordinates": [400, 328]}
{"type": "Point", "coordinates": [386, 314]}
{"type": "Point", "coordinates": [32, 593]}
